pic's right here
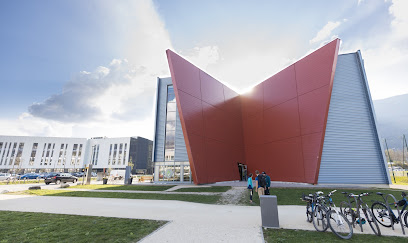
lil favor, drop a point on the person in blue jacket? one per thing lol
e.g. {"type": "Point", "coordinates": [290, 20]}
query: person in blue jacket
{"type": "Point", "coordinates": [250, 187]}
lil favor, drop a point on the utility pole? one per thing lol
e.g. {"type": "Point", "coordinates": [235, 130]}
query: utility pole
{"type": "Point", "coordinates": [392, 168]}
{"type": "Point", "coordinates": [403, 149]}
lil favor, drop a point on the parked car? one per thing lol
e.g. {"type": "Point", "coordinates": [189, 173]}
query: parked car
{"type": "Point", "coordinates": [30, 176]}
{"type": "Point", "coordinates": [57, 178]}
{"type": "Point", "coordinates": [5, 176]}
{"type": "Point", "coordinates": [77, 174]}
{"type": "Point", "coordinates": [43, 175]}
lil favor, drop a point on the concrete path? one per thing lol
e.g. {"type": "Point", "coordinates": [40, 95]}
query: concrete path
{"type": "Point", "coordinates": [189, 222]}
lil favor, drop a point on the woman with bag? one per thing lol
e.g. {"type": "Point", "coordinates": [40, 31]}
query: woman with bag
{"type": "Point", "coordinates": [250, 187]}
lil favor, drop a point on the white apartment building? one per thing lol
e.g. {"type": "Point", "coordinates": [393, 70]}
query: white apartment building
{"type": "Point", "coordinates": [34, 154]}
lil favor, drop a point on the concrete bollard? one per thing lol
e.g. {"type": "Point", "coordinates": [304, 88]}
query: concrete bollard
{"type": "Point", "coordinates": [269, 211]}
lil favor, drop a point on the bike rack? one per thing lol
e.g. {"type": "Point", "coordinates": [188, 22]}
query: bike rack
{"type": "Point", "coordinates": [399, 212]}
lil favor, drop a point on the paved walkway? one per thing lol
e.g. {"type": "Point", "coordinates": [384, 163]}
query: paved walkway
{"type": "Point", "coordinates": [189, 222]}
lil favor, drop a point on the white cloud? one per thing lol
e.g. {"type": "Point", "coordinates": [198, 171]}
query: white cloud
{"type": "Point", "coordinates": [385, 54]}
{"type": "Point", "coordinates": [112, 100]}
{"type": "Point", "coordinates": [399, 10]}
{"type": "Point", "coordinates": [245, 60]}
{"type": "Point", "coordinates": [204, 56]}
{"type": "Point", "coordinates": [325, 32]}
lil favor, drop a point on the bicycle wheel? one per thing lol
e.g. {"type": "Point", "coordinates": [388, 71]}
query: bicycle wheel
{"type": "Point", "coordinates": [320, 219]}
{"type": "Point", "coordinates": [339, 224]}
{"type": "Point", "coordinates": [405, 219]}
{"type": "Point", "coordinates": [346, 209]}
{"type": "Point", "coordinates": [381, 214]}
{"type": "Point", "coordinates": [371, 221]}
{"type": "Point", "coordinates": [309, 212]}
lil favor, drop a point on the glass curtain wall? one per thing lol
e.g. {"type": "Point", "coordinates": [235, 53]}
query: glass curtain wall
{"type": "Point", "coordinates": [170, 124]}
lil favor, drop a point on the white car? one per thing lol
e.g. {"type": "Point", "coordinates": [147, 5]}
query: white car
{"type": "Point", "coordinates": [5, 176]}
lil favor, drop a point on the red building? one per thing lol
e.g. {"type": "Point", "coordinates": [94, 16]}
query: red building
{"type": "Point", "coordinates": [283, 126]}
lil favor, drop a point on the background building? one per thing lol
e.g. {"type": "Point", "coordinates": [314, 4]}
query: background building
{"type": "Point", "coordinates": [44, 154]}
{"type": "Point", "coordinates": [169, 149]}
{"type": "Point", "coordinates": [312, 122]}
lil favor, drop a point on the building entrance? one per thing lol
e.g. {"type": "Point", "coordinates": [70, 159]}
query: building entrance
{"type": "Point", "coordinates": [242, 169]}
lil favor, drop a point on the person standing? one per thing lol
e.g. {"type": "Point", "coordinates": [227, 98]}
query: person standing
{"type": "Point", "coordinates": [268, 184]}
{"type": "Point", "coordinates": [250, 187]}
{"type": "Point", "coordinates": [260, 182]}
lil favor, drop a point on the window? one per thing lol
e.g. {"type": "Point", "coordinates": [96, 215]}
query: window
{"type": "Point", "coordinates": [33, 153]}
{"type": "Point", "coordinates": [47, 156]}
{"type": "Point", "coordinates": [124, 154]}
{"type": "Point", "coordinates": [2, 154]}
{"type": "Point", "coordinates": [65, 154]}
{"type": "Point", "coordinates": [110, 153]}
{"type": "Point", "coordinates": [120, 154]}
{"type": "Point", "coordinates": [170, 125]}
{"type": "Point", "coordinates": [8, 152]}
{"type": "Point", "coordinates": [61, 153]}
{"type": "Point", "coordinates": [13, 152]}
{"type": "Point", "coordinates": [95, 154]}
{"type": "Point", "coordinates": [43, 153]}
{"type": "Point", "coordinates": [52, 153]}
{"type": "Point", "coordinates": [79, 154]}
{"type": "Point", "coordinates": [19, 153]}
{"type": "Point", "coordinates": [74, 154]}
{"type": "Point", "coordinates": [115, 148]}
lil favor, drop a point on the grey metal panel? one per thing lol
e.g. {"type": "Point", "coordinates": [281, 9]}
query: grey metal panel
{"type": "Point", "coordinates": [160, 133]}
{"type": "Point", "coordinates": [352, 151]}
{"type": "Point", "coordinates": [181, 151]}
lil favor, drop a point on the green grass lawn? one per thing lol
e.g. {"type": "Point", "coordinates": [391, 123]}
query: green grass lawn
{"type": "Point", "coordinates": [45, 227]}
{"type": "Point", "coordinates": [212, 199]}
{"type": "Point", "coordinates": [286, 235]}
{"type": "Point", "coordinates": [124, 187]}
{"type": "Point", "coordinates": [401, 180]}
{"type": "Point", "coordinates": [204, 189]}
{"type": "Point", "coordinates": [291, 196]}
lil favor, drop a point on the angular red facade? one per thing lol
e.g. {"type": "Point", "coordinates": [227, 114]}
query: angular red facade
{"type": "Point", "coordinates": [278, 127]}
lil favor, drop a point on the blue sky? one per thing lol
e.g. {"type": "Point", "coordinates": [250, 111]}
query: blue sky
{"type": "Point", "coordinates": [88, 68]}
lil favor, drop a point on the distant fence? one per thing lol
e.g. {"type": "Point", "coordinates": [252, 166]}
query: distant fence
{"type": "Point", "coordinates": [399, 173]}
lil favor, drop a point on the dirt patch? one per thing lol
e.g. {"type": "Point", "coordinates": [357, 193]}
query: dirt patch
{"type": "Point", "coordinates": [232, 196]}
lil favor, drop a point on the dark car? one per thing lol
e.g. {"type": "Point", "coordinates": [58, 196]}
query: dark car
{"type": "Point", "coordinates": [57, 178]}
{"type": "Point", "coordinates": [30, 176]}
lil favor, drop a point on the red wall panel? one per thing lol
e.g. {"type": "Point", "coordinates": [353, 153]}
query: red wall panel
{"type": "Point", "coordinates": [315, 70]}
{"type": "Point", "coordinates": [280, 87]}
{"type": "Point", "coordinates": [212, 125]}
{"type": "Point", "coordinates": [252, 102]}
{"type": "Point", "coordinates": [283, 160]}
{"type": "Point", "coordinates": [278, 127]}
{"type": "Point", "coordinates": [281, 121]}
{"type": "Point", "coordinates": [211, 90]}
{"type": "Point", "coordinates": [192, 113]}
{"type": "Point", "coordinates": [312, 108]}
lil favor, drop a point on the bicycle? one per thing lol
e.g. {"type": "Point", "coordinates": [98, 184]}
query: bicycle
{"type": "Point", "coordinates": [337, 221]}
{"type": "Point", "coordinates": [320, 213]}
{"type": "Point", "coordinates": [386, 216]}
{"type": "Point", "coordinates": [310, 200]}
{"type": "Point", "coordinates": [315, 211]}
{"type": "Point", "coordinates": [355, 215]}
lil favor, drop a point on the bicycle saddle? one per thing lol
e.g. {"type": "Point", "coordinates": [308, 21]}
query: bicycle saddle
{"type": "Point", "coordinates": [380, 193]}
{"type": "Point", "coordinates": [403, 194]}
{"type": "Point", "coordinates": [344, 192]}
